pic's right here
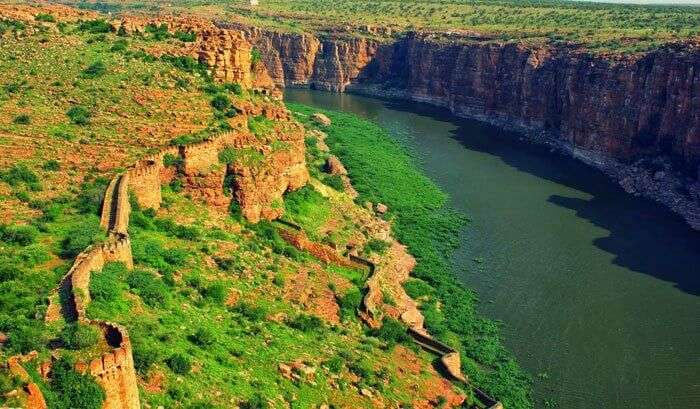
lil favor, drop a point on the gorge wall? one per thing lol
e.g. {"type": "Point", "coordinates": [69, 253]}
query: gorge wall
{"type": "Point", "coordinates": [608, 111]}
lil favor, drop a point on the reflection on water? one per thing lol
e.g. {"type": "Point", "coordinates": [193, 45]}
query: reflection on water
{"type": "Point", "coordinates": [598, 290]}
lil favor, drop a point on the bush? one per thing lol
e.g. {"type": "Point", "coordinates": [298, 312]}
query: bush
{"type": "Point", "coordinates": [335, 364]}
{"type": "Point", "coordinates": [145, 355]}
{"type": "Point", "coordinates": [221, 102]}
{"type": "Point", "coordinates": [334, 181]}
{"type": "Point", "coordinates": [52, 165]}
{"type": "Point", "coordinates": [255, 57]}
{"type": "Point", "coordinates": [96, 26]}
{"type": "Point", "coordinates": [416, 288]}
{"type": "Point", "coordinates": [96, 69]}
{"type": "Point", "coordinates": [203, 337]}
{"type": "Point", "coordinates": [186, 37]}
{"type": "Point", "coordinates": [228, 155]}
{"type": "Point", "coordinates": [105, 285]}
{"type": "Point", "coordinates": [158, 32]}
{"type": "Point", "coordinates": [235, 88]}
{"type": "Point", "coordinates": [91, 196]}
{"type": "Point", "coordinates": [45, 17]}
{"type": "Point", "coordinates": [19, 174]}
{"type": "Point", "coordinates": [73, 390]}
{"type": "Point", "coordinates": [254, 313]}
{"type": "Point", "coordinates": [119, 46]}
{"type": "Point", "coordinates": [376, 246]}
{"type": "Point", "coordinates": [150, 288]}
{"type": "Point", "coordinates": [392, 332]}
{"type": "Point", "coordinates": [24, 339]}
{"type": "Point", "coordinates": [257, 401]}
{"type": "Point", "coordinates": [19, 235]}
{"type": "Point", "coordinates": [82, 235]}
{"type": "Point", "coordinates": [187, 64]}
{"type": "Point", "coordinates": [349, 302]}
{"type": "Point", "coordinates": [172, 160]}
{"type": "Point", "coordinates": [22, 119]}
{"type": "Point", "coordinates": [216, 292]}
{"type": "Point", "coordinates": [79, 336]}
{"type": "Point", "coordinates": [306, 323]}
{"type": "Point", "coordinates": [79, 115]}
{"type": "Point", "coordinates": [179, 364]}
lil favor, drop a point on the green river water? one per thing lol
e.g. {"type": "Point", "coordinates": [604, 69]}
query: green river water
{"type": "Point", "coordinates": [599, 292]}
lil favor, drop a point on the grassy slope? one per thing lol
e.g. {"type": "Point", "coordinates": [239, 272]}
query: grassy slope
{"type": "Point", "coordinates": [600, 27]}
{"type": "Point", "coordinates": [382, 171]}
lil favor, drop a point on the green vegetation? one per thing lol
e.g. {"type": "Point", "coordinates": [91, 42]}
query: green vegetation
{"type": "Point", "coordinates": [597, 26]}
{"type": "Point", "coordinates": [382, 171]}
{"type": "Point", "coordinates": [71, 390]}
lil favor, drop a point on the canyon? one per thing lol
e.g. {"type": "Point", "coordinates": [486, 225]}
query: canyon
{"type": "Point", "coordinates": [636, 117]}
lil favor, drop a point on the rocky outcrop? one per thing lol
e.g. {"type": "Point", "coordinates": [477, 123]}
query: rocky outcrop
{"type": "Point", "coordinates": [608, 111]}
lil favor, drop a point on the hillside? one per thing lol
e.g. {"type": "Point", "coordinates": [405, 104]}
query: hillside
{"type": "Point", "coordinates": [172, 235]}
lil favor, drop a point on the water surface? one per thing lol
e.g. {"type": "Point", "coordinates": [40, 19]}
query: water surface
{"type": "Point", "coordinates": [599, 292]}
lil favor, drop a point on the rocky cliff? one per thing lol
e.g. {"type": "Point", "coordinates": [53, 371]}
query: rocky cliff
{"type": "Point", "coordinates": [608, 111]}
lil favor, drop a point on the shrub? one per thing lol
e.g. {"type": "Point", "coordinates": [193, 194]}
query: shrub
{"type": "Point", "coordinates": [235, 88]}
{"type": "Point", "coordinates": [18, 174]}
{"type": "Point", "coordinates": [22, 119]}
{"type": "Point", "coordinates": [186, 37]}
{"type": "Point", "coordinates": [392, 331]}
{"type": "Point", "coordinates": [306, 323]}
{"type": "Point", "coordinates": [158, 32]}
{"type": "Point", "coordinates": [376, 246]}
{"type": "Point", "coordinates": [255, 56]}
{"type": "Point", "coordinates": [172, 160]}
{"type": "Point", "coordinates": [221, 102]}
{"type": "Point", "coordinates": [349, 302]}
{"type": "Point", "coordinates": [51, 165]}
{"type": "Point", "coordinates": [96, 26]}
{"type": "Point", "coordinates": [24, 338]}
{"type": "Point", "coordinates": [184, 63]}
{"type": "Point", "coordinates": [119, 46]}
{"type": "Point", "coordinates": [228, 155]}
{"type": "Point", "coordinates": [105, 285]}
{"type": "Point", "coordinates": [79, 115]}
{"type": "Point", "coordinates": [216, 292]}
{"type": "Point", "coordinates": [94, 70]}
{"type": "Point", "coordinates": [254, 313]}
{"type": "Point", "coordinates": [91, 196]}
{"type": "Point", "coordinates": [150, 288]}
{"type": "Point", "coordinates": [79, 336]}
{"type": "Point", "coordinates": [145, 355]}
{"type": "Point", "coordinates": [257, 401]}
{"type": "Point", "coordinates": [179, 364]}
{"type": "Point", "coordinates": [19, 235]}
{"type": "Point", "coordinates": [45, 17]}
{"type": "Point", "coordinates": [416, 288]}
{"type": "Point", "coordinates": [334, 181]}
{"type": "Point", "coordinates": [73, 390]}
{"type": "Point", "coordinates": [80, 236]}
{"type": "Point", "coordinates": [335, 364]}
{"type": "Point", "coordinates": [203, 337]}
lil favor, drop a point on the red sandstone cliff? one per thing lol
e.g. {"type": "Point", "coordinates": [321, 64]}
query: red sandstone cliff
{"type": "Point", "coordinates": [624, 108]}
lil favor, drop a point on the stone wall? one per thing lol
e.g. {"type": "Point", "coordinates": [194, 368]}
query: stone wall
{"type": "Point", "coordinates": [115, 370]}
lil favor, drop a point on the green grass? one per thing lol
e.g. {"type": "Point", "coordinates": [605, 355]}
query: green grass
{"type": "Point", "coordinates": [383, 171]}
{"type": "Point", "coordinates": [600, 27]}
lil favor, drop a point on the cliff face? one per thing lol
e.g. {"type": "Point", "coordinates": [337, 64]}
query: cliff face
{"type": "Point", "coordinates": [624, 109]}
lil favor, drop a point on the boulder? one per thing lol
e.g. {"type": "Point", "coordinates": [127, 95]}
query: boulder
{"type": "Point", "coordinates": [381, 208]}
{"type": "Point", "coordinates": [321, 119]}
{"type": "Point", "coordinates": [335, 167]}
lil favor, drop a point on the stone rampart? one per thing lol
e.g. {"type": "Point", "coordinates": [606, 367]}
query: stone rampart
{"type": "Point", "coordinates": [115, 370]}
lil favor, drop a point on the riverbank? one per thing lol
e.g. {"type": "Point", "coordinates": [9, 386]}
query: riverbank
{"type": "Point", "coordinates": [383, 171]}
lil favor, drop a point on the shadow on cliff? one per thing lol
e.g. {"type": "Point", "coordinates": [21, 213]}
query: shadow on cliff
{"type": "Point", "coordinates": [644, 236]}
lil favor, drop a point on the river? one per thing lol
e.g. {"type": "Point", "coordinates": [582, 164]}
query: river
{"type": "Point", "coordinates": [598, 291]}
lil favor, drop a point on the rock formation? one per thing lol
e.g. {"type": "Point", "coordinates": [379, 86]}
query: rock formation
{"type": "Point", "coordinates": [608, 111]}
